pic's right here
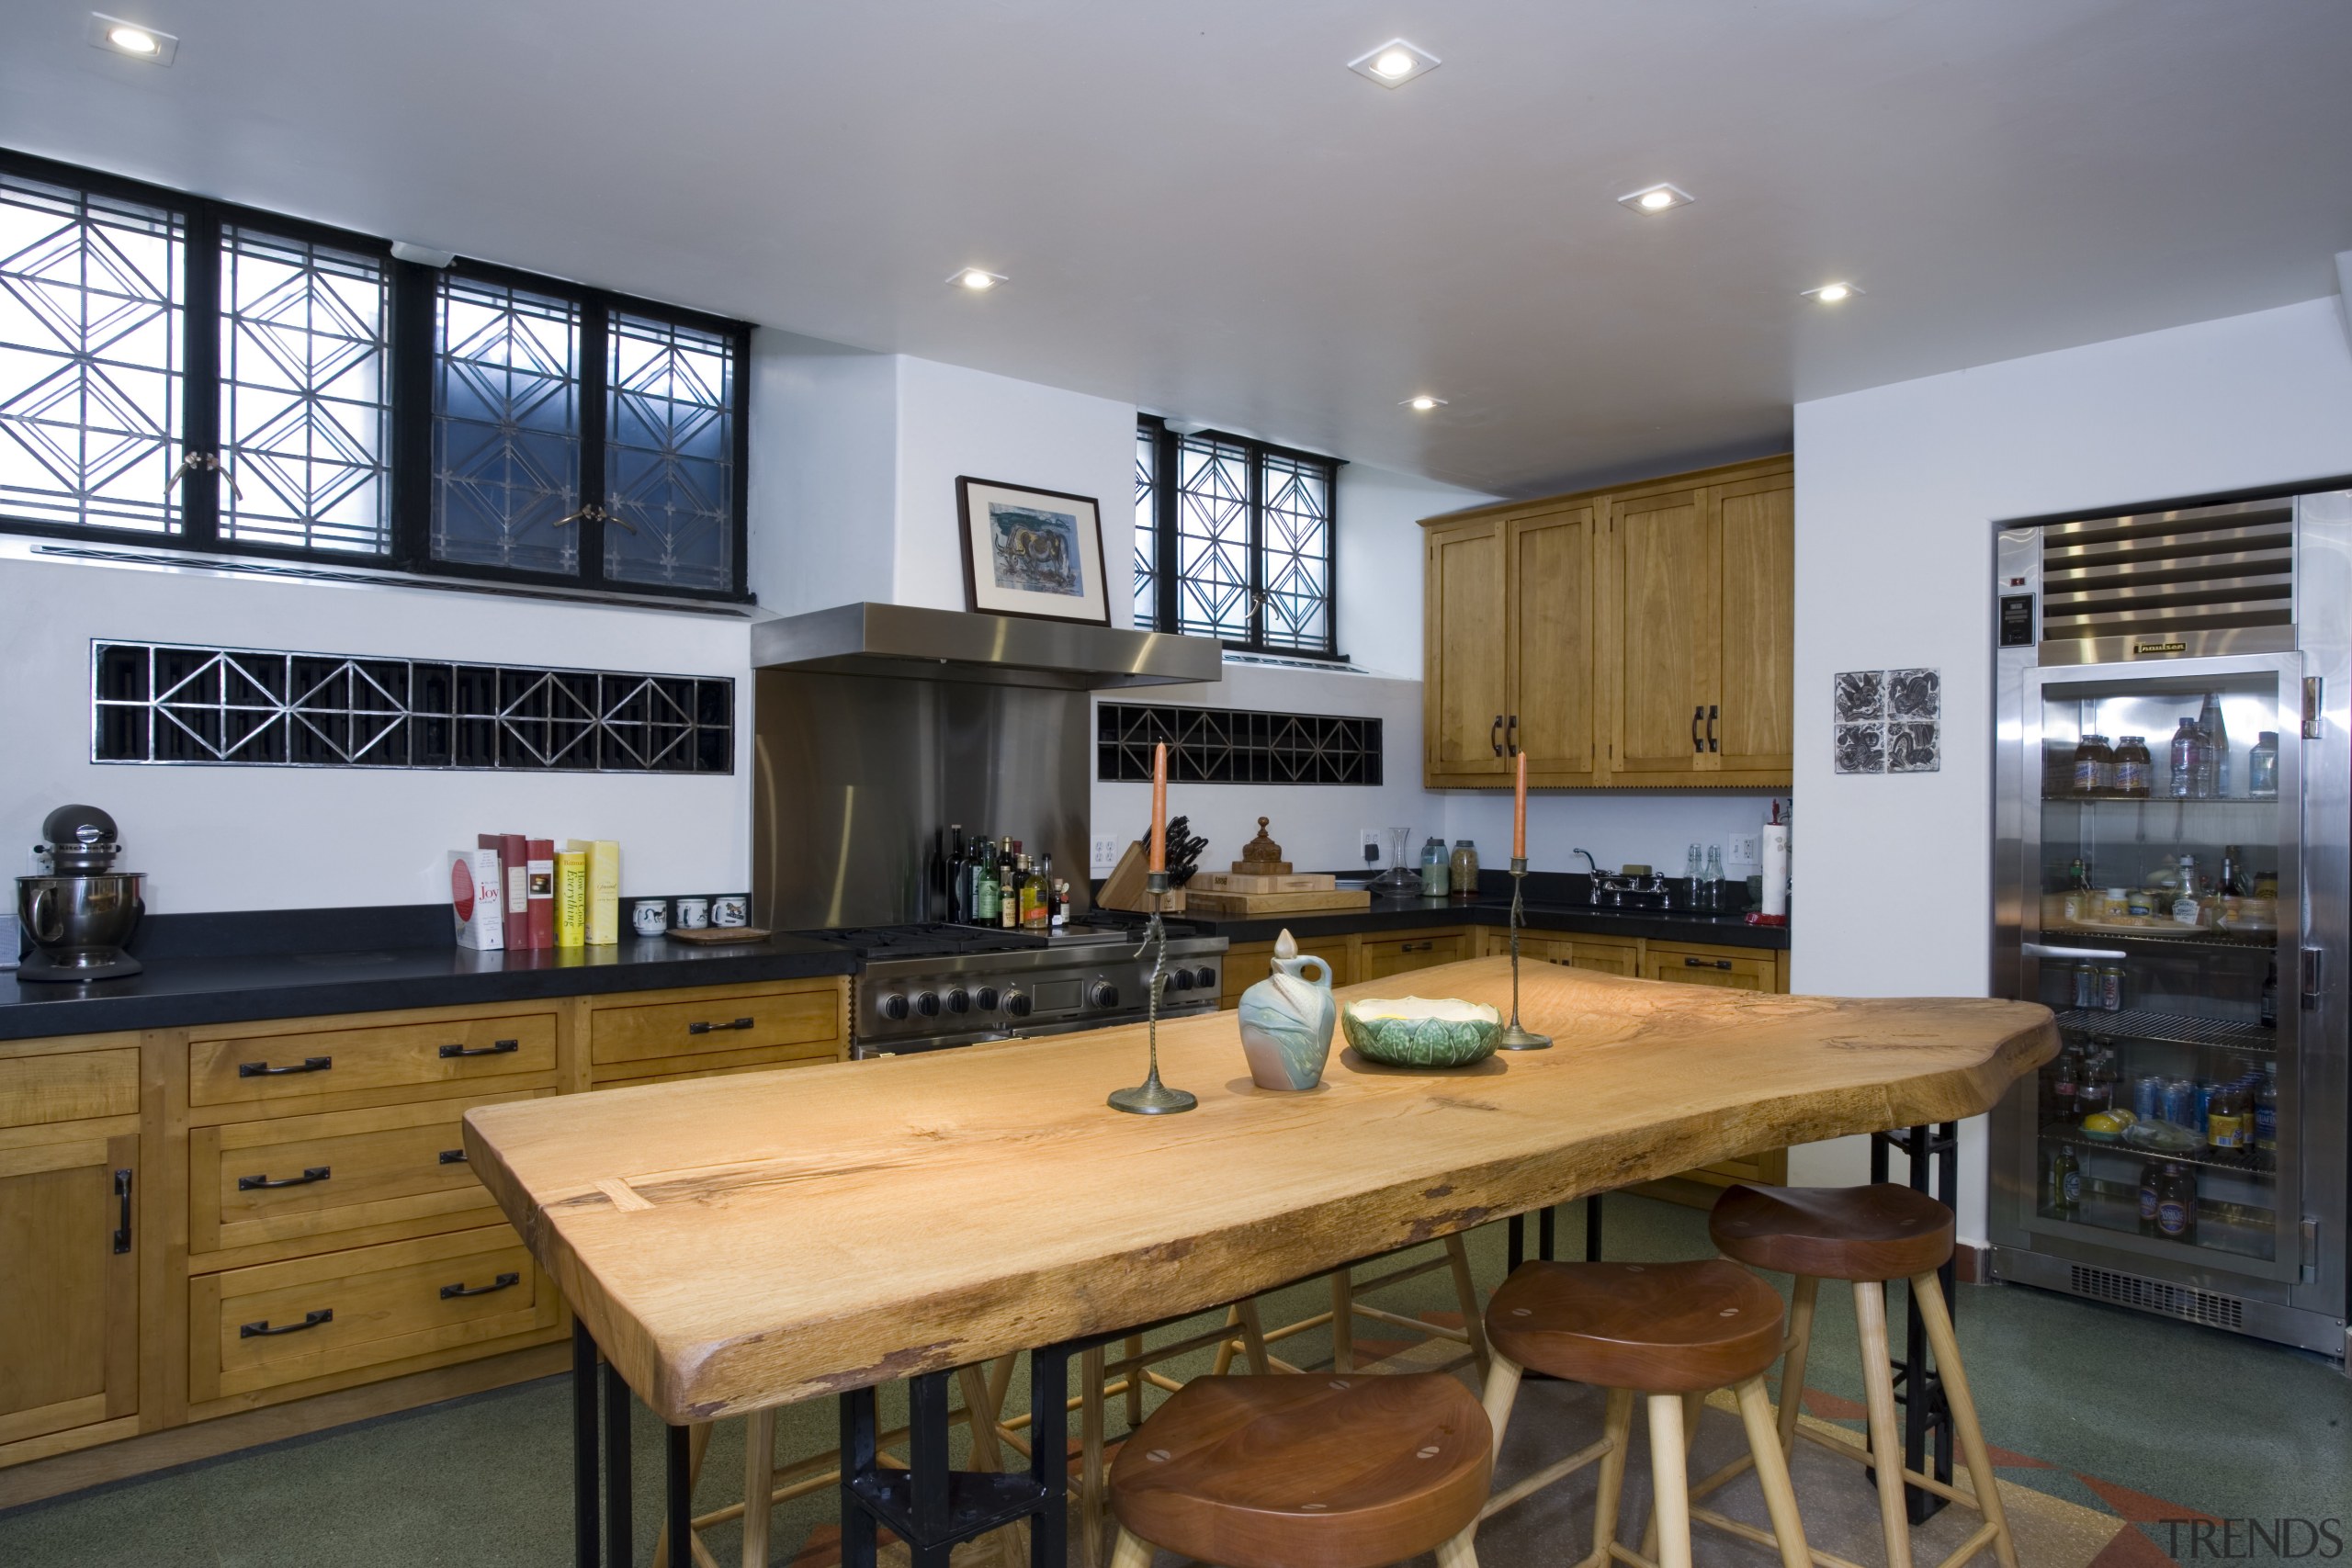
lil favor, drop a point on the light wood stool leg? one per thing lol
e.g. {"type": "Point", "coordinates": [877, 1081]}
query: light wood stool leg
{"type": "Point", "coordinates": [1089, 1474]}
{"type": "Point", "coordinates": [1457, 1552]}
{"type": "Point", "coordinates": [759, 1468]}
{"type": "Point", "coordinates": [1930, 1292]}
{"type": "Point", "coordinates": [1801, 1304]}
{"type": "Point", "coordinates": [1132, 1349]}
{"type": "Point", "coordinates": [1617, 1430]}
{"type": "Point", "coordinates": [1253, 1336]}
{"type": "Point", "coordinates": [1457, 1257]}
{"type": "Point", "coordinates": [1131, 1551]}
{"type": "Point", "coordinates": [1226, 1345]}
{"type": "Point", "coordinates": [1886, 1431]}
{"type": "Point", "coordinates": [1502, 1393]}
{"type": "Point", "coordinates": [1343, 1321]}
{"type": "Point", "coordinates": [1670, 1480]}
{"type": "Point", "coordinates": [1772, 1471]}
{"type": "Point", "coordinates": [980, 1414]}
{"type": "Point", "coordinates": [1694, 1405]}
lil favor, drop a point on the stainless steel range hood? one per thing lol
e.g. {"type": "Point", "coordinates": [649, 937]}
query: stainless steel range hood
{"type": "Point", "coordinates": [910, 642]}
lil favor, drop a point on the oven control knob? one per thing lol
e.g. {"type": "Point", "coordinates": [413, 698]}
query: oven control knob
{"type": "Point", "coordinates": [959, 1000]}
{"type": "Point", "coordinates": [893, 1006]}
{"type": "Point", "coordinates": [1206, 979]}
{"type": "Point", "coordinates": [1182, 980]}
{"type": "Point", "coordinates": [927, 1004]}
{"type": "Point", "coordinates": [1102, 993]}
{"type": "Point", "coordinates": [987, 999]}
{"type": "Point", "coordinates": [1016, 1004]}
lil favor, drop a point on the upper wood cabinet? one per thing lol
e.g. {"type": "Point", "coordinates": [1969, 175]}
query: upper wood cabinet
{"type": "Point", "coordinates": [1640, 637]}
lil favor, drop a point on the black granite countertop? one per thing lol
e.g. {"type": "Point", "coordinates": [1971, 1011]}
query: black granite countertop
{"type": "Point", "coordinates": [235, 968]}
{"type": "Point", "coordinates": [1414, 914]}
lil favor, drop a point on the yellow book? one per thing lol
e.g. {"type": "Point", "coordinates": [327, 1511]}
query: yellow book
{"type": "Point", "coordinates": [603, 888]}
{"type": "Point", "coordinates": [571, 899]}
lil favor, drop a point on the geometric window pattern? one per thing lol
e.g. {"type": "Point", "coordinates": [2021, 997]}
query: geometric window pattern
{"type": "Point", "coordinates": [91, 300]}
{"type": "Point", "coordinates": [1236, 746]}
{"type": "Point", "coordinates": [1295, 553]}
{"type": "Point", "coordinates": [1146, 526]}
{"type": "Point", "coordinates": [165, 702]}
{"type": "Point", "coordinates": [669, 455]}
{"type": "Point", "coordinates": [1213, 543]}
{"type": "Point", "coordinates": [506, 440]}
{"type": "Point", "coordinates": [305, 415]}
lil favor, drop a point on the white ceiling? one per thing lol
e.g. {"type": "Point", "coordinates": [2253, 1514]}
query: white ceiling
{"type": "Point", "coordinates": [1202, 211]}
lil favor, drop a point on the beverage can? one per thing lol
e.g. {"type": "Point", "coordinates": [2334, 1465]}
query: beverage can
{"type": "Point", "coordinates": [2110, 988]}
{"type": "Point", "coordinates": [2201, 1107]}
{"type": "Point", "coordinates": [2180, 1102]}
{"type": "Point", "coordinates": [2148, 1097]}
{"type": "Point", "coordinates": [2086, 986]}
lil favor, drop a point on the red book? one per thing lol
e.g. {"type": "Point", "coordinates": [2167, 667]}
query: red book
{"type": "Point", "coordinates": [542, 892]}
{"type": "Point", "coordinates": [513, 881]}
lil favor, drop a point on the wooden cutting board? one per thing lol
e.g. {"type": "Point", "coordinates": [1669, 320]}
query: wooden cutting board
{"type": "Point", "coordinates": [1236, 882]}
{"type": "Point", "coordinates": [1242, 904]}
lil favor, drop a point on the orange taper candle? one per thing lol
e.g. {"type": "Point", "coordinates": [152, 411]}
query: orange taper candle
{"type": "Point", "coordinates": [1158, 807]}
{"type": "Point", "coordinates": [1519, 812]}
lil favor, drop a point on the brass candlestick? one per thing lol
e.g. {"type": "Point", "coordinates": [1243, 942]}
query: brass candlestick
{"type": "Point", "coordinates": [1152, 1098]}
{"type": "Point", "coordinates": [1514, 1038]}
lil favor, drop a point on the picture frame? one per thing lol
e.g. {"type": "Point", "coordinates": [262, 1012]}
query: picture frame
{"type": "Point", "coordinates": [1032, 553]}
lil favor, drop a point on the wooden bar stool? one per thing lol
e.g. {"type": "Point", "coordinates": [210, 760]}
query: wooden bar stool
{"type": "Point", "coordinates": [1670, 1332]}
{"type": "Point", "coordinates": [1348, 1304]}
{"type": "Point", "coordinates": [1315, 1471]}
{"type": "Point", "coordinates": [1868, 1236]}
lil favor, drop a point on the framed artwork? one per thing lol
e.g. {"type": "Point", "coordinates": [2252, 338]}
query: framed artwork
{"type": "Point", "coordinates": [1032, 552]}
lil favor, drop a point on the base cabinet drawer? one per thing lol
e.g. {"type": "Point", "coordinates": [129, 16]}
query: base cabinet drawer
{"type": "Point", "coordinates": [1378, 960]}
{"type": "Point", "coordinates": [1713, 966]}
{"type": "Point", "coordinates": [314, 1179]}
{"type": "Point", "coordinates": [71, 1086]}
{"type": "Point", "coordinates": [645, 1035]}
{"type": "Point", "coordinates": [258, 1069]}
{"type": "Point", "coordinates": [276, 1325]}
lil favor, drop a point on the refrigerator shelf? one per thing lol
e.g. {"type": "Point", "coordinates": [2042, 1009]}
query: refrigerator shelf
{"type": "Point", "coordinates": [2261, 1164]}
{"type": "Point", "coordinates": [2171, 1029]}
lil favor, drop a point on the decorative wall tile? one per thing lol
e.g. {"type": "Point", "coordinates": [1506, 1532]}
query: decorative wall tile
{"type": "Point", "coordinates": [1236, 745]}
{"type": "Point", "coordinates": [1887, 721]}
{"type": "Point", "coordinates": [165, 703]}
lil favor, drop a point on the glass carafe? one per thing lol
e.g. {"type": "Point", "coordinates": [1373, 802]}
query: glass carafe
{"type": "Point", "coordinates": [1400, 881]}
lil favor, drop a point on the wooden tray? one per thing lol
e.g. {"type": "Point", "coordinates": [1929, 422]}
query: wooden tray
{"type": "Point", "coordinates": [1242, 904]}
{"type": "Point", "coordinates": [719, 936]}
{"type": "Point", "coordinates": [1235, 882]}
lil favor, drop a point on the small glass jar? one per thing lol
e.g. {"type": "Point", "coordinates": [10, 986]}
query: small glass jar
{"type": "Point", "coordinates": [2262, 767]}
{"type": "Point", "coordinates": [1436, 869]}
{"type": "Point", "coordinates": [1466, 868]}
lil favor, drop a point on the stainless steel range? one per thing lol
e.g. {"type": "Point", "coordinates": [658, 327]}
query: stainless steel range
{"type": "Point", "coordinates": [926, 987]}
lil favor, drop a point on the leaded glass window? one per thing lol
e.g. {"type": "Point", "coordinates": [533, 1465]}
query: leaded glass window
{"type": "Point", "coordinates": [305, 387]}
{"type": "Point", "coordinates": [1213, 529]}
{"type": "Point", "coordinates": [1234, 540]}
{"type": "Point", "coordinates": [1294, 555]}
{"type": "Point", "coordinates": [92, 291]}
{"type": "Point", "coordinates": [506, 439]}
{"type": "Point", "coordinates": [1146, 526]}
{"type": "Point", "coordinates": [669, 453]}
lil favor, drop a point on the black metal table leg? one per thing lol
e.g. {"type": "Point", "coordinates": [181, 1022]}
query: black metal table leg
{"type": "Point", "coordinates": [857, 1458]}
{"type": "Point", "coordinates": [1933, 1153]}
{"type": "Point", "coordinates": [1592, 1229]}
{"type": "Point", "coordinates": [1547, 1235]}
{"type": "Point", "coordinates": [620, 1530]}
{"type": "Point", "coordinates": [927, 1473]}
{"type": "Point", "coordinates": [584, 1554]}
{"type": "Point", "coordinates": [1049, 1455]}
{"type": "Point", "coordinates": [1515, 1249]}
{"type": "Point", "coordinates": [678, 1494]}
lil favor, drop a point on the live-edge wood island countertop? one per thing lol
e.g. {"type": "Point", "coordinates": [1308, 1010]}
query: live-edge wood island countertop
{"type": "Point", "coordinates": [754, 1240]}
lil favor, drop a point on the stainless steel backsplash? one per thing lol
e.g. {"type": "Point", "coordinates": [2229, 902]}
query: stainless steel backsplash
{"type": "Point", "coordinates": [853, 773]}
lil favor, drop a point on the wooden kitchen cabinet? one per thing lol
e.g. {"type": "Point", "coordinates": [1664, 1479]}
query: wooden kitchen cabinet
{"type": "Point", "coordinates": [1638, 636]}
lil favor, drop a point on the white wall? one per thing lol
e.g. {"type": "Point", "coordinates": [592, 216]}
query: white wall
{"type": "Point", "coordinates": [248, 838]}
{"type": "Point", "coordinates": [1897, 492]}
{"type": "Point", "coordinates": [1656, 830]}
{"type": "Point", "coordinates": [824, 481]}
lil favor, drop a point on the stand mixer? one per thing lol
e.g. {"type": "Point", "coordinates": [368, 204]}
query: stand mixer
{"type": "Point", "coordinates": [79, 915]}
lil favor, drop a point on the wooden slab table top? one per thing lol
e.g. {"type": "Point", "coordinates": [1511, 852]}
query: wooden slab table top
{"type": "Point", "coordinates": [741, 1242]}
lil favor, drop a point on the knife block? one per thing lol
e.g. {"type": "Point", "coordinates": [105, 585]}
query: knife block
{"type": "Point", "coordinates": [1124, 888]}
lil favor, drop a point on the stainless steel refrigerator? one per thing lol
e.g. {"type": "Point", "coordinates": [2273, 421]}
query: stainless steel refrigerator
{"type": "Point", "coordinates": [2186, 1154]}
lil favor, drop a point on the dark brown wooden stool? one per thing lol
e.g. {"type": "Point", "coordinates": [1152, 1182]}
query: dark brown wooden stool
{"type": "Point", "coordinates": [1316, 1472]}
{"type": "Point", "coordinates": [1868, 1236]}
{"type": "Point", "coordinates": [1670, 1332]}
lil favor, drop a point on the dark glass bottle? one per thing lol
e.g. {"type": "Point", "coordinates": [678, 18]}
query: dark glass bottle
{"type": "Point", "coordinates": [959, 888]}
{"type": "Point", "coordinates": [2065, 1195]}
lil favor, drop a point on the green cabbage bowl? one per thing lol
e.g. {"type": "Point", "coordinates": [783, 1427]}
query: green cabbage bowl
{"type": "Point", "coordinates": [1416, 1032]}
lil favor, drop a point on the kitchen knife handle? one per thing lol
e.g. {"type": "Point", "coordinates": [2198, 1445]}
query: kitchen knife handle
{"type": "Point", "coordinates": [705, 1028]}
{"type": "Point", "coordinates": [462, 1289]}
{"type": "Point", "coordinates": [495, 1048]}
{"type": "Point", "coordinates": [261, 1330]}
{"type": "Point", "coordinates": [1697, 713]}
{"type": "Point", "coordinates": [1495, 735]}
{"type": "Point", "coordinates": [263, 1070]}
{"type": "Point", "coordinates": [262, 1183]}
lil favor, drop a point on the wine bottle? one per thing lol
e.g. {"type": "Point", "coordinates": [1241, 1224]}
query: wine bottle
{"type": "Point", "coordinates": [959, 887]}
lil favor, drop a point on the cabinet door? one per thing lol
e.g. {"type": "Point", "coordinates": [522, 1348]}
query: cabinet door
{"type": "Point", "coordinates": [1755, 705]}
{"type": "Point", "coordinates": [69, 1285]}
{"type": "Point", "coordinates": [1660, 587]}
{"type": "Point", "coordinates": [1463, 700]}
{"type": "Point", "coordinates": [1605, 956]}
{"type": "Point", "coordinates": [1551, 641]}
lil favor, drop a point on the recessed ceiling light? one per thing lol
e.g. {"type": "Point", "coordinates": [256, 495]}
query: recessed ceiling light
{"type": "Point", "coordinates": [1394, 63]}
{"type": "Point", "coordinates": [1831, 293]}
{"type": "Point", "coordinates": [136, 39]}
{"type": "Point", "coordinates": [1423, 403]}
{"type": "Point", "coordinates": [1655, 198]}
{"type": "Point", "coordinates": [978, 279]}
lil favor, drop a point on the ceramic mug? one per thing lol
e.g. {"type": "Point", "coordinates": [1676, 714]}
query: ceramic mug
{"type": "Point", "coordinates": [693, 914]}
{"type": "Point", "coordinates": [731, 909]}
{"type": "Point", "coordinates": [651, 915]}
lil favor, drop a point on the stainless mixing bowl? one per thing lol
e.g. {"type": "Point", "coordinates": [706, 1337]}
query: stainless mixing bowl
{"type": "Point", "coordinates": [80, 923]}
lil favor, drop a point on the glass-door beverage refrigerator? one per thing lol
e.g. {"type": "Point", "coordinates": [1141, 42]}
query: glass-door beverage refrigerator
{"type": "Point", "coordinates": [2171, 821]}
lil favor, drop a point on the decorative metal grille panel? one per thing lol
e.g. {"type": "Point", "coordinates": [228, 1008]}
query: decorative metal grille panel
{"type": "Point", "coordinates": [1295, 507]}
{"type": "Point", "coordinates": [166, 702]}
{"type": "Point", "coordinates": [1213, 539]}
{"type": "Point", "coordinates": [1146, 526]}
{"type": "Point", "coordinates": [92, 292]}
{"type": "Point", "coordinates": [305, 406]}
{"type": "Point", "coordinates": [505, 428]}
{"type": "Point", "coordinates": [669, 455]}
{"type": "Point", "coordinates": [1236, 745]}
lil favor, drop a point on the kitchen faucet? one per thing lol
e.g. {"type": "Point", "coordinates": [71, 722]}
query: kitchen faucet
{"type": "Point", "coordinates": [1591, 864]}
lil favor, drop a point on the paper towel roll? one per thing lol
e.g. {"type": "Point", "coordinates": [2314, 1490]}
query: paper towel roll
{"type": "Point", "coordinates": [1776, 868]}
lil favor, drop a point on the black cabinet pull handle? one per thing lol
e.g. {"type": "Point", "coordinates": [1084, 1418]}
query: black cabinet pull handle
{"type": "Point", "coordinates": [261, 1330]}
{"type": "Point", "coordinates": [495, 1048]}
{"type": "Point", "coordinates": [263, 1070]}
{"type": "Point", "coordinates": [707, 1028]}
{"type": "Point", "coordinates": [1710, 726]}
{"type": "Point", "coordinates": [122, 1214]}
{"type": "Point", "coordinates": [263, 1184]}
{"type": "Point", "coordinates": [1510, 735]}
{"type": "Point", "coordinates": [462, 1289]}
{"type": "Point", "coordinates": [1697, 713]}
{"type": "Point", "coordinates": [1495, 735]}
{"type": "Point", "coordinates": [452, 1157]}
{"type": "Point", "coordinates": [1706, 964]}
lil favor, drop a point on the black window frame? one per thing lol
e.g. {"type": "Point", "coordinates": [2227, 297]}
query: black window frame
{"type": "Point", "coordinates": [410, 354]}
{"type": "Point", "coordinates": [1166, 500]}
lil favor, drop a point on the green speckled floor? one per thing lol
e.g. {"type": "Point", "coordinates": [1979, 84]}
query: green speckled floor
{"type": "Point", "coordinates": [2104, 1409]}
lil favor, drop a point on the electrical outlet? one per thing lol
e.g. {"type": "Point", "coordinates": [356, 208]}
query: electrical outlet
{"type": "Point", "coordinates": [1368, 843]}
{"type": "Point", "coordinates": [1107, 850]}
{"type": "Point", "coordinates": [1746, 849]}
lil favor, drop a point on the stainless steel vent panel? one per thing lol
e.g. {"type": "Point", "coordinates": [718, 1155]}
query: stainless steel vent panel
{"type": "Point", "coordinates": [2198, 580]}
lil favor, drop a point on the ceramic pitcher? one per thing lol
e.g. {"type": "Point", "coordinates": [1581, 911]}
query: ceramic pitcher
{"type": "Point", "coordinates": [1287, 1020]}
